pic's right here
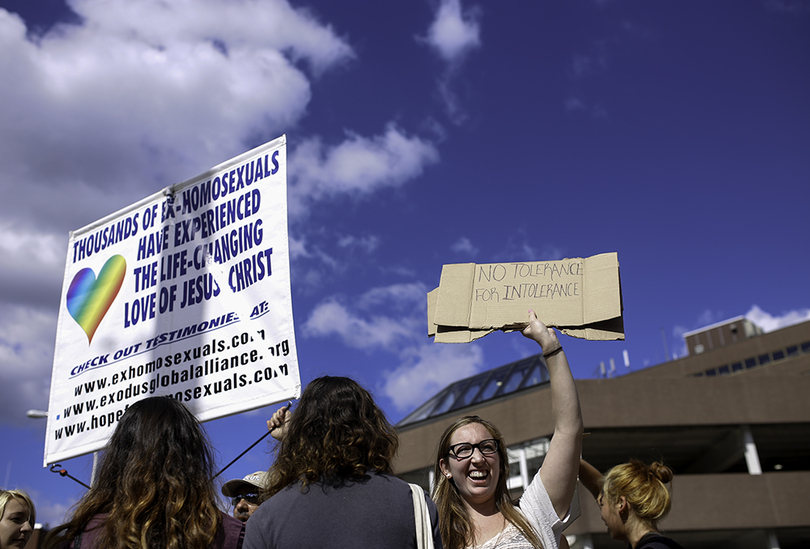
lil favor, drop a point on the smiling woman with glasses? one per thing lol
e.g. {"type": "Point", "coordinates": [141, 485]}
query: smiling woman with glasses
{"type": "Point", "coordinates": [472, 467]}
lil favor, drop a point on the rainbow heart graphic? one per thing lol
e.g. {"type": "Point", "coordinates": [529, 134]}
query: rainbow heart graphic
{"type": "Point", "coordinates": [89, 298]}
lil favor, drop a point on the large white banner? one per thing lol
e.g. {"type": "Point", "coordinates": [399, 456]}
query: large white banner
{"type": "Point", "coordinates": [186, 293]}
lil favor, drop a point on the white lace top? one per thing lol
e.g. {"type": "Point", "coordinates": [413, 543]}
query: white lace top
{"type": "Point", "coordinates": [536, 506]}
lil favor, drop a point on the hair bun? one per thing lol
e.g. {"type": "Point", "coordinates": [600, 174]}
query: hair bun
{"type": "Point", "coordinates": [661, 472]}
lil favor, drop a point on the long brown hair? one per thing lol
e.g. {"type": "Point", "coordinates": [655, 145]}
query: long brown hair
{"type": "Point", "coordinates": [154, 485]}
{"type": "Point", "coordinates": [336, 433]}
{"type": "Point", "coordinates": [456, 527]}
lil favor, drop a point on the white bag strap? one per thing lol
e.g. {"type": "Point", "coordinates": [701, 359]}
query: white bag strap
{"type": "Point", "coordinates": [424, 532]}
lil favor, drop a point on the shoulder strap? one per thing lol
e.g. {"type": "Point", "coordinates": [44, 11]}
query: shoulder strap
{"type": "Point", "coordinates": [424, 533]}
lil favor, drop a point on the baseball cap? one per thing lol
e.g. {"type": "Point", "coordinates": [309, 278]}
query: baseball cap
{"type": "Point", "coordinates": [254, 482]}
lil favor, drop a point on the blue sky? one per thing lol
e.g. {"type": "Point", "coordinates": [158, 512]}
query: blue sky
{"type": "Point", "coordinates": [419, 133]}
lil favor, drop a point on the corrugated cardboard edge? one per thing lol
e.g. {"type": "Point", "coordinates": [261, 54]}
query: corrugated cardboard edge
{"type": "Point", "coordinates": [432, 296]}
{"type": "Point", "coordinates": [449, 334]}
{"type": "Point", "coordinates": [454, 300]}
{"type": "Point", "coordinates": [607, 330]}
{"type": "Point", "coordinates": [600, 280]}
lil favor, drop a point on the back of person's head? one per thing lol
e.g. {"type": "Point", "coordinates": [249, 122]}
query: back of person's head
{"type": "Point", "coordinates": [7, 495]}
{"type": "Point", "coordinates": [455, 523]}
{"type": "Point", "coordinates": [157, 438]}
{"type": "Point", "coordinates": [337, 432]}
{"type": "Point", "coordinates": [643, 487]}
{"type": "Point", "coordinates": [154, 482]}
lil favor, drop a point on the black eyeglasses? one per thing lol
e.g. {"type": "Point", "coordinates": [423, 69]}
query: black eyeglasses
{"type": "Point", "coordinates": [464, 450]}
{"type": "Point", "coordinates": [250, 498]}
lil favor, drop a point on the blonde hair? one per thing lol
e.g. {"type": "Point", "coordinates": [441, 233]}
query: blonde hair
{"type": "Point", "coordinates": [455, 524]}
{"type": "Point", "coordinates": [644, 488]}
{"type": "Point", "coordinates": [8, 495]}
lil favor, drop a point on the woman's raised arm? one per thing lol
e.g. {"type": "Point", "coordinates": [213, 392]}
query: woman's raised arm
{"type": "Point", "coordinates": [561, 464]}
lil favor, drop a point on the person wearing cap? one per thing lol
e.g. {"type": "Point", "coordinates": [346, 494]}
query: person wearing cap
{"type": "Point", "coordinates": [244, 494]}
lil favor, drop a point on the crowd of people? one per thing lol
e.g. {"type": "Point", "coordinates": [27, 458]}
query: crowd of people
{"type": "Point", "coordinates": [332, 483]}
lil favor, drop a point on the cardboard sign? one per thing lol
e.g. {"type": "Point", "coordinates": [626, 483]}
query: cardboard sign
{"type": "Point", "coordinates": [185, 293]}
{"type": "Point", "coordinates": [580, 296]}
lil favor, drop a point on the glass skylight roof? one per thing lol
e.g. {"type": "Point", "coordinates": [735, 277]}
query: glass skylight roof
{"type": "Point", "coordinates": [482, 387]}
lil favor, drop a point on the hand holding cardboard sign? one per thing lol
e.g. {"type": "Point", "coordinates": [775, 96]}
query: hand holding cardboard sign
{"type": "Point", "coordinates": [542, 334]}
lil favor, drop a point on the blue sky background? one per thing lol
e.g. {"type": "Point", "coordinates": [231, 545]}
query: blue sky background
{"type": "Point", "coordinates": [419, 133]}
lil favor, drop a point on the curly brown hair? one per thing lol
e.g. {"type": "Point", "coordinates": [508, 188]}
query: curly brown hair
{"type": "Point", "coordinates": [336, 433]}
{"type": "Point", "coordinates": [154, 485]}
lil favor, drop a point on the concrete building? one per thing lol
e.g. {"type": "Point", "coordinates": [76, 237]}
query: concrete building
{"type": "Point", "coordinates": [732, 420]}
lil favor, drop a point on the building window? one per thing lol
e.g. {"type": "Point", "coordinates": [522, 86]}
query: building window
{"type": "Point", "coordinates": [537, 376]}
{"type": "Point", "coordinates": [750, 363]}
{"type": "Point", "coordinates": [723, 370]}
{"type": "Point", "coordinates": [493, 385]}
{"type": "Point", "coordinates": [793, 350]}
{"type": "Point", "coordinates": [764, 359]}
{"type": "Point", "coordinates": [737, 367]}
{"type": "Point", "coordinates": [445, 405]}
{"type": "Point", "coordinates": [778, 355]}
{"type": "Point", "coordinates": [470, 393]}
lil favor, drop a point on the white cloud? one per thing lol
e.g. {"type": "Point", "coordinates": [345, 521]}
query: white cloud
{"type": "Point", "coordinates": [144, 94]}
{"type": "Point", "coordinates": [359, 324]}
{"type": "Point", "coordinates": [36, 261]}
{"type": "Point", "coordinates": [574, 104]}
{"type": "Point", "coordinates": [454, 32]}
{"type": "Point", "coordinates": [464, 246]}
{"type": "Point", "coordinates": [357, 166]}
{"type": "Point", "coordinates": [50, 512]}
{"type": "Point", "coordinates": [376, 331]}
{"type": "Point", "coordinates": [706, 318]}
{"type": "Point", "coordinates": [789, 7]}
{"type": "Point", "coordinates": [366, 243]}
{"type": "Point", "coordinates": [427, 368]}
{"type": "Point", "coordinates": [140, 95]}
{"type": "Point", "coordinates": [424, 367]}
{"type": "Point", "coordinates": [395, 297]}
{"type": "Point", "coordinates": [769, 322]}
{"type": "Point", "coordinates": [764, 320]}
{"type": "Point", "coordinates": [298, 247]}
{"type": "Point", "coordinates": [26, 357]}
{"type": "Point", "coordinates": [273, 24]}
{"type": "Point", "coordinates": [588, 65]}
